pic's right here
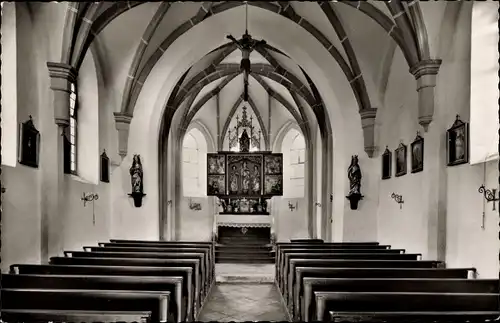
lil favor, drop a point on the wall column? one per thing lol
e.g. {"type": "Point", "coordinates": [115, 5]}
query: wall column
{"type": "Point", "coordinates": [122, 124]}
{"type": "Point", "coordinates": [425, 73]}
{"type": "Point", "coordinates": [52, 159]}
{"type": "Point", "coordinates": [219, 140]}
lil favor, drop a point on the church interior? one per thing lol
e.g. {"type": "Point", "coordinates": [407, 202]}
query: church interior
{"type": "Point", "coordinates": [241, 161]}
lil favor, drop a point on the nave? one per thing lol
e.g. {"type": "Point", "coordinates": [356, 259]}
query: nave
{"type": "Point", "coordinates": [174, 281]}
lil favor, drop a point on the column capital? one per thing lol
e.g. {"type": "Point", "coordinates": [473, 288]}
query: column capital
{"type": "Point", "coordinates": [62, 71]}
{"type": "Point", "coordinates": [122, 118]}
{"type": "Point", "coordinates": [370, 113]}
{"type": "Point", "coordinates": [122, 124]}
{"type": "Point", "coordinates": [426, 67]}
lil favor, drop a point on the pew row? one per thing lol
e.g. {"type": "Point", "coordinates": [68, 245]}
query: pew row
{"type": "Point", "coordinates": [343, 263]}
{"type": "Point", "coordinates": [147, 262]}
{"type": "Point", "coordinates": [414, 317]}
{"type": "Point", "coordinates": [135, 271]}
{"type": "Point", "coordinates": [95, 300]}
{"type": "Point", "coordinates": [387, 285]}
{"type": "Point", "coordinates": [374, 273]}
{"type": "Point", "coordinates": [172, 285]}
{"type": "Point", "coordinates": [150, 255]}
{"type": "Point", "coordinates": [37, 316]}
{"type": "Point", "coordinates": [168, 248]}
{"type": "Point", "coordinates": [380, 302]}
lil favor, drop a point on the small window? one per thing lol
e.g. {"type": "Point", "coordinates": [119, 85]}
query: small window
{"type": "Point", "coordinates": [71, 136]}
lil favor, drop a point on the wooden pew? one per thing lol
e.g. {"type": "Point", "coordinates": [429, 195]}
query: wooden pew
{"type": "Point", "coordinates": [347, 256]}
{"type": "Point", "coordinates": [147, 262]}
{"type": "Point", "coordinates": [343, 263]}
{"type": "Point", "coordinates": [410, 317]}
{"type": "Point", "coordinates": [37, 316]}
{"type": "Point", "coordinates": [167, 248]}
{"type": "Point", "coordinates": [332, 246]}
{"type": "Point", "coordinates": [95, 300]}
{"type": "Point", "coordinates": [280, 264]}
{"type": "Point", "coordinates": [403, 302]}
{"type": "Point", "coordinates": [185, 244]}
{"type": "Point", "coordinates": [429, 285]}
{"type": "Point", "coordinates": [307, 240]}
{"type": "Point", "coordinates": [95, 270]}
{"type": "Point", "coordinates": [172, 285]}
{"type": "Point", "coordinates": [355, 273]}
{"type": "Point", "coordinates": [151, 255]}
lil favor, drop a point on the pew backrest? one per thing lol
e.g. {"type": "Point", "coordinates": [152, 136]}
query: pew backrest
{"type": "Point", "coordinates": [31, 315]}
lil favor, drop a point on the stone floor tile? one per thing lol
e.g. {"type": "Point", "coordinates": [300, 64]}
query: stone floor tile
{"type": "Point", "coordinates": [243, 302]}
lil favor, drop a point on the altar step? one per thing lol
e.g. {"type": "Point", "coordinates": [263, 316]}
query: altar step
{"type": "Point", "coordinates": [244, 254]}
{"type": "Point", "coordinates": [240, 241]}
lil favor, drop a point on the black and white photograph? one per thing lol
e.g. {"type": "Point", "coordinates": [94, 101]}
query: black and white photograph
{"type": "Point", "coordinates": [249, 161]}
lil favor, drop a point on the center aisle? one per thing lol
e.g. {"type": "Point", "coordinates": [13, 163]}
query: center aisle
{"type": "Point", "coordinates": [240, 302]}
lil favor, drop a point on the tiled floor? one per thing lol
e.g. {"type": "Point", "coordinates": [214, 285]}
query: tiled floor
{"type": "Point", "coordinates": [245, 273]}
{"type": "Point", "coordinates": [243, 302]}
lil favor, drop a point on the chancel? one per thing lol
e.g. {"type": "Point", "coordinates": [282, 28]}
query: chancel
{"type": "Point", "coordinates": [182, 161]}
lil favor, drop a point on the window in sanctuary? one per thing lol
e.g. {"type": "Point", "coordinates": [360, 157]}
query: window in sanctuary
{"type": "Point", "coordinates": [297, 162]}
{"type": "Point", "coordinates": [71, 138]}
{"type": "Point", "coordinates": [194, 152]}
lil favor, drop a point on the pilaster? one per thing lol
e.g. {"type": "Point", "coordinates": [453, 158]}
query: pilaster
{"type": "Point", "coordinates": [368, 117]}
{"type": "Point", "coordinates": [52, 158]}
{"type": "Point", "coordinates": [122, 124]}
{"type": "Point", "coordinates": [425, 73]}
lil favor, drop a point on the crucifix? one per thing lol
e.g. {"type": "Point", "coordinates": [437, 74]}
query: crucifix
{"type": "Point", "coordinates": [246, 44]}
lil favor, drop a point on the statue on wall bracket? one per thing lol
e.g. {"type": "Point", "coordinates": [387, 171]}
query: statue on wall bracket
{"type": "Point", "coordinates": [354, 175]}
{"type": "Point", "coordinates": [136, 176]}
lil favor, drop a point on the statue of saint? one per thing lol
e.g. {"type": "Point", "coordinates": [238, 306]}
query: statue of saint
{"type": "Point", "coordinates": [245, 178]}
{"type": "Point", "coordinates": [256, 180]}
{"type": "Point", "coordinates": [354, 175]}
{"type": "Point", "coordinates": [233, 181]}
{"type": "Point", "coordinates": [244, 142]}
{"type": "Point", "coordinates": [136, 175]}
{"type": "Point", "coordinates": [459, 144]}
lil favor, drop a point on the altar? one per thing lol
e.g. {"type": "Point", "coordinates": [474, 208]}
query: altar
{"type": "Point", "coordinates": [243, 221]}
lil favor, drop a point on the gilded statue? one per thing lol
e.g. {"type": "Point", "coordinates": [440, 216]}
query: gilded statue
{"type": "Point", "coordinates": [233, 181]}
{"type": "Point", "coordinates": [245, 178]}
{"type": "Point", "coordinates": [256, 180]}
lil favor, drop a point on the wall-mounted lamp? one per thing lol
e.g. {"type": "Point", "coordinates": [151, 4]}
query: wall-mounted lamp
{"type": "Point", "coordinates": [331, 197]}
{"type": "Point", "coordinates": [398, 198]}
{"type": "Point", "coordinates": [169, 202]}
{"type": "Point", "coordinates": [317, 204]}
{"type": "Point", "coordinates": [87, 198]}
{"type": "Point", "coordinates": [291, 206]}
{"type": "Point", "coordinates": [194, 206]}
{"type": "Point", "coordinates": [489, 195]}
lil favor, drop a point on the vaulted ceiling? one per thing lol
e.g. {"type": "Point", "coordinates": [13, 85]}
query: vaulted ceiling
{"type": "Point", "coordinates": [358, 35]}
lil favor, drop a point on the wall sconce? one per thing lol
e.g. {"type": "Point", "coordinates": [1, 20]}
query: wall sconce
{"type": "Point", "coordinates": [169, 202]}
{"type": "Point", "coordinates": [317, 204]}
{"type": "Point", "coordinates": [90, 197]}
{"type": "Point", "coordinates": [489, 195]}
{"type": "Point", "coordinates": [331, 197]}
{"type": "Point", "coordinates": [398, 198]}
{"type": "Point", "coordinates": [291, 206]}
{"type": "Point", "coordinates": [87, 198]}
{"type": "Point", "coordinates": [194, 206]}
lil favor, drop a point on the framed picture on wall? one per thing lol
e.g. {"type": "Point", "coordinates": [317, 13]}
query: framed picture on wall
{"type": "Point", "coordinates": [457, 143]}
{"type": "Point", "coordinates": [417, 154]}
{"type": "Point", "coordinates": [104, 167]}
{"type": "Point", "coordinates": [386, 163]}
{"type": "Point", "coordinates": [29, 144]}
{"type": "Point", "coordinates": [400, 157]}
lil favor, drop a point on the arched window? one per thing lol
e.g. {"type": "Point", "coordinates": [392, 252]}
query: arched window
{"type": "Point", "coordinates": [70, 147]}
{"type": "Point", "coordinates": [293, 148]}
{"type": "Point", "coordinates": [194, 151]}
{"type": "Point", "coordinates": [297, 160]}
